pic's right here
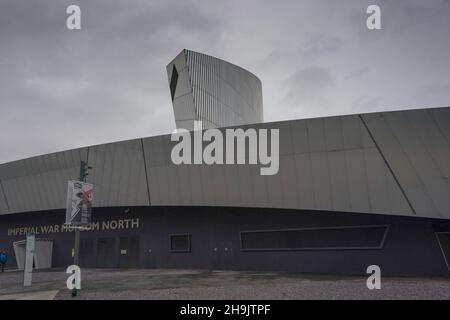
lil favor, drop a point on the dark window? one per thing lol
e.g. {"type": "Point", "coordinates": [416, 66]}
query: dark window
{"type": "Point", "coordinates": [173, 82]}
{"type": "Point", "coordinates": [328, 238]}
{"type": "Point", "coordinates": [180, 243]}
{"type": "Point", "coordinates": [444, 243]}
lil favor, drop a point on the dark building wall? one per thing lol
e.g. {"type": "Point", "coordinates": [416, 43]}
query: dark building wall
{"type": "Point", "coordinates": [410, 246]}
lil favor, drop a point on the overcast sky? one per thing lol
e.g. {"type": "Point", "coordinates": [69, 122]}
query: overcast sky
{"type": "Point", "coordinates": [62, 89]}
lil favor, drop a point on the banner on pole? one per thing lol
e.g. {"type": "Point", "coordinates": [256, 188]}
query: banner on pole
{"type": "Point", "coordinates": [29, 258]}
{"type": "Point", "coordinates": [79, 203]}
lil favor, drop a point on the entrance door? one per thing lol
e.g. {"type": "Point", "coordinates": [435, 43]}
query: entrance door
{"type": "Point", "coordinates": [129, 252]}
{"type": "Point", "coordinates": [86, 254]}
{"type": "Point", "coordinates": [105, 252]}
{"type": "Point", "coordinates": [222, 253]}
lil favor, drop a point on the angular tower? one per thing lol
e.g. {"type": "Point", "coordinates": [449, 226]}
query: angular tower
{"type": "Point", "coordinates": [218, 93]}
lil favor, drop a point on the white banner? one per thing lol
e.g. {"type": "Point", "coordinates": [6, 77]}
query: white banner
{"type": "Point", "coordinates": [79, 203]}
{"type": "Point", "coordinates": [29, 257]}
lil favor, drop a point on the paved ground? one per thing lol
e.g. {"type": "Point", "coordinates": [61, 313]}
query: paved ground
{"type": "Point", "coordinates": [201, 284]}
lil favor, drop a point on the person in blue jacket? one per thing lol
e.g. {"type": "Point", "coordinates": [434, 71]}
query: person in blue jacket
{"type": "Point", "coordinates": [3, 259]}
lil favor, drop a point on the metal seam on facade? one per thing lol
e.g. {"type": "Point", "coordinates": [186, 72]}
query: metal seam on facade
{"type": "Point", "coordinates": [387, 164]}
{"type": "Point", "coordinates": [217, 101]}
{"type": "Point", "coordinates": [4, 195]}
{"type": "Point", "coordinates": [22, 194]}
{"type": "Point", "coordinates": [146, 173]}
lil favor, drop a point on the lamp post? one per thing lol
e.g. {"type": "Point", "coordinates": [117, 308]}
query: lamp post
{"type": "Point", "coordinates": [84, 167]}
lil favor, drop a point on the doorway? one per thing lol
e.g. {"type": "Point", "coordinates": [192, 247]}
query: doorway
{"type": "Point", "coordinates": [105, 252]}
{"type": "Point", "coordinates": [129, 252]}
{"type": "Point", "coordinates": [222, 253]}
{"type": "Point", "coordinates": [86, 255]}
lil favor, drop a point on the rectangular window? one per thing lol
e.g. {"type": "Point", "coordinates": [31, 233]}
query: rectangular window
{"type": "Point", "coordinates": [180, 242]}
{"type": "Point", "coordinates": [326, 238]}
{"type": "Point", "coordinates": [444, 243]}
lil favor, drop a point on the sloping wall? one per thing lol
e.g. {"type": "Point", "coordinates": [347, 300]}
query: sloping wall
{"type": "Point", "coordinates": [386, 163]}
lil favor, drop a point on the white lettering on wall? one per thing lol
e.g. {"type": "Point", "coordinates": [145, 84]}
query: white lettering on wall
{"type": "Point", "coordinates": [120, 224]}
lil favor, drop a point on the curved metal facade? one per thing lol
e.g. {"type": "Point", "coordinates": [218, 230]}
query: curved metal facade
{"type": "Point", "coordinates": [395, 163]}
{"type": "Point", "coordinates": [214, 91]}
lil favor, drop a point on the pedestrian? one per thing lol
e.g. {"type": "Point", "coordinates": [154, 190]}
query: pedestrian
{"type": "Point", "coordinates": [3, 259]}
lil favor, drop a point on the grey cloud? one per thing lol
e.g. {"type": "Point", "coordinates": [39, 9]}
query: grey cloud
{"type": "Point", "coordinates": [95, 85]}
{"type": "Point", "coordinates": [367, 103]}
{"type": "Point", "coordinates": [357, 73]}
{"type": "Point", "coordinates": [308, 83]}
{"type": "Point", "coordinates": [61, 89]}
{"type": "Point", "coordinates": [320, 45]}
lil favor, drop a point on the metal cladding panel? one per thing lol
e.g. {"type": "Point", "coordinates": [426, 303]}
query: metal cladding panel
{"type": "Point", "coordinates": [214, 91]}
{"type": "Point", "coordinates": [12, 197]}
{"type": "Point", "coordinates": [174, 185]}
{"type": "Point", "coordinates": [305, 181]}
{"type": "Point", "coordinates": [118, 174]}
{"type": "Point", "coordinates": [43, 163]}
{"type": "Point", "coordinates": [196, 185]}
{"type": "Point", "coordinates": [4, 209]}
{"type": "Point", "coordinates": [153, 187]}
{"type": "Point", "coordinates": [384, 192]}
{"type": "Point", "coordinates": [392, 150]}
{"type": "Point", "coordinates": [183, 102]}
{"type": "Point", "coordinates": [357, 181]}
{"type": "Point", "coordinates": [258, 186]}
{"type": "Point", "coordinates": [325, 164]}
{"type": "Point", "coordinates": [157, 151]}
{"type": "Point", "coordinates": [158, 185]}
{"type": "Point", "coordinates": [274, 191]}
{"type": "Point", "coordinates": [184, 108]}
{"type": "Point", "coordinates": [184, 111]}
{"type": "Point", "coordinates": [432, 138]}
{"type": "Point", "coordinates": [43, 191]}
{"type": "Point", "coordinates": [404, 140]}
{"type": "Point", "coordinates": [433, 180]}
{"type": "Point", "coordinates": [338, 181]}
{"type": "Point", "coordinates": [289, 189]}
{"type": "Point", "coordinates": [232, 184]}
{"type": "Point", "coordinates": [186, 124]}
{"type": "Point", "coordinates": [321, 181]}
{"type": "Point", "coordinates": [299, 136]}
{"type": "Point", "coordinates": [316, 134]}
{"type": "Point", "coordinates": [213, 178]}
{"type": "Point", "coordinates": [377, 181]}
{"type": "Point", "coordinates": [39, 183]}
{"type": "Point", "coordinates": [396, 200]}
{"type": "Point", "coordinates": [14, 193]}
{"type": "Point", "coordinates": [219, 182]}
{"type": "Point", "coordinates": [351, 132]}
{"type": "Point", "coordinates": [334, 139]}
{"type": "Point", "coordinates": [209, 183]}
{"type": "Point", "coordinates": [184, 195]}
{"type": "Point", "coordinates": [286, 145]}
{"type": "Point", "coordinates": [183, 84]}
{"type": "Point", "coordinates": [245, 187]}
{"type": "Point", "coordinates": [441, 117]}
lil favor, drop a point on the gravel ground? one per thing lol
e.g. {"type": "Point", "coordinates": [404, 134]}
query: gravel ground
{"type": "Point", "coordinates": [201, 284]}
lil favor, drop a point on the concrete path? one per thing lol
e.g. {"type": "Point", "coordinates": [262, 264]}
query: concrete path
{"type": "Point", "coordinates": [36, 295]}
{"type": "Point", "coordinates": [112, 284]}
